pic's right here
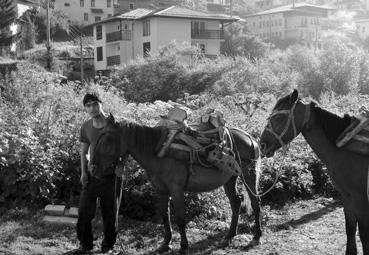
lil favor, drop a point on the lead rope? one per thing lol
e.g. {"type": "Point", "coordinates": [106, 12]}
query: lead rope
{"type": "Point", "coordinates": [275, 180]}
{"type": "Point", "coordinates": [118, 203]}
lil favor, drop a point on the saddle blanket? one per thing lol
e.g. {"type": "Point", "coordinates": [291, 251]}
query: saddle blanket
{"type": "Point", "coordinates": [355, 137]}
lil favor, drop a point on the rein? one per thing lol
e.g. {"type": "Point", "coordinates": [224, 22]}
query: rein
{"type": "Point", "coordinates": [290, 121]}
{"type": "Point", "coordinates": [269, 128]}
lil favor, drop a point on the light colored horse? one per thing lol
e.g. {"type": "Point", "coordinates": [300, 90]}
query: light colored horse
{"type": "Point", "coordinates": [347, 170]}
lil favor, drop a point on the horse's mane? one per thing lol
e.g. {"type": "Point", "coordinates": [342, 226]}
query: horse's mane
{"type": "Point", "coordinates": [143, 137]}
{"type": "Point", "coordinates": [332, 124]}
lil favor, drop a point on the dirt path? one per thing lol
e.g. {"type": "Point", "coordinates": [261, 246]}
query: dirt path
{"type": "Point", "coordinates": [305, 227]}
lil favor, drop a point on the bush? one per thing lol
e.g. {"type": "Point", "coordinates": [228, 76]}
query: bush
{"type": "Point", "coordinates": [167, 75]}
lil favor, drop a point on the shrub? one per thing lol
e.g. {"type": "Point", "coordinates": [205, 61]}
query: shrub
{"type": "Point", "coordinates": [167, 75]}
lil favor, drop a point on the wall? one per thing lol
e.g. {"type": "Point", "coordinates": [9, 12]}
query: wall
{"type": "Point", "coordinates": [76, 13]}
{"type": "Point", "coordinates": [164, 30]}
{"type": "Point", "coordinates": [362, 28]}
{"type": "Point", "coordinates": [100, 65]}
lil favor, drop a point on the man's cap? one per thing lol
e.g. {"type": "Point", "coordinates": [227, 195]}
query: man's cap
{"type": "Point", "coordinates": [90, 97]}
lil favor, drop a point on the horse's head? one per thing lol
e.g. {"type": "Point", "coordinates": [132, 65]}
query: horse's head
{"type": "Point", "coordinates": [110, 147]}
{"type": "Point", "coordinates": [288, 118]}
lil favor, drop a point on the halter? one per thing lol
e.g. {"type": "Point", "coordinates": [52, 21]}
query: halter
{"type": "Point", "coordinates": [291, 120]}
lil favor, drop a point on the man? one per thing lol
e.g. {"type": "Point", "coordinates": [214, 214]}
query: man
{"type": "Point", "coordinates": [97, 178]}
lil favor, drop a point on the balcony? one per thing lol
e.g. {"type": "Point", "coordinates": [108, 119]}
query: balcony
{"type": "Point", "coordinates": [207, 34]}
{"type": "Point", "coordinates": [124, 35]}
{"type": "Point", "coordinates": [113, 60]}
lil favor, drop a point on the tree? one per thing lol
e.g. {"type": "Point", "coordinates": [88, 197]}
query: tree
{"type": "Point", "coordinates": [238, 42]}
{"type": "Point", "coordinates": [27, 30]}
{"type": "Point", "coordinates": [8, 16]}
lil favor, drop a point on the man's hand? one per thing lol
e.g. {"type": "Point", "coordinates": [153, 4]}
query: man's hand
{"type": "Point", "coordinates": [84, 179]}
{"type": "Point", "coordinates": [119, 170]}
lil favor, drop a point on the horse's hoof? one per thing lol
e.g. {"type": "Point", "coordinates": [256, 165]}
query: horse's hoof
{"type": "Point", "coordinates": [163, 248]}
{"type": "Point", "coordinates": [227, 241]}
{"type": "Point", "coordinates": [254, 242]}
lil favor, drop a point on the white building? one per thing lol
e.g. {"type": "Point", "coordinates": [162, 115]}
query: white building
{"type": "Point", "coordinates": [362, 28]}
{"type": "Point", "coordinates": [122, 38]}
{"type": "Point", "coordinates": [85, 11]}
{"type": "Point", "coordinates": [300, 22]}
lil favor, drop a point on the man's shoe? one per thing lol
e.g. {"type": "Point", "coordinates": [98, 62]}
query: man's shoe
{"type": "Point", "coordinates": [80, 251]}
{"type": "Point", "coordinates": [106, 249]}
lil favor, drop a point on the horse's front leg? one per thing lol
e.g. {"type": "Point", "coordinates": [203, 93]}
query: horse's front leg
{"type": "Point", "coordinates": [164, 212]}
{"type": "Point", "coordinates": [351, 224]}
{"type": "Point", "coordinates": [179, 213]}
{"type": "Point", "coordinates": [235, 201]}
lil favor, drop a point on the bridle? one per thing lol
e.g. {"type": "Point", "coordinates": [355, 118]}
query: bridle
{"type": "Point", "coordinates": [290, 121]}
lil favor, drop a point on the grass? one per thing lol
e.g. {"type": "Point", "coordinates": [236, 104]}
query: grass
{"type": "Point", "coordinates": [313, 226]}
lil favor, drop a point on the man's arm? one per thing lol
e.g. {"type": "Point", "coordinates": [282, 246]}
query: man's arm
{"type": "Point", "coordinates": [84, 151]}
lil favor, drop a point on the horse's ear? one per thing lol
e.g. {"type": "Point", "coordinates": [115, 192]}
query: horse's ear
{"type": "Point", "coordinates": [294, 96]}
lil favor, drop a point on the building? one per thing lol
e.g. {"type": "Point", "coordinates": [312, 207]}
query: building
{"type": "Point", "coordinates": [121, 38]}
{"type": "Point", "coordinates": [129, 5]}
{"type": "Point", "coordinates": [362, 28]}
{"type": "Point", "coordinates": [300, 22]}
{"type": "Point", "coordinates": [218, 6]}
{"type": "Point", "coordinates": [85, 11]}
{"type": "Point", "coordinates": [268, 4]}
{"type": "Point", "coordinates": [351, 5]}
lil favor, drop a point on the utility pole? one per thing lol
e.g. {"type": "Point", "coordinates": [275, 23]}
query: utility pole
{"type": "Point", "coordinates": [48, 45]}
{"type": "Point", "coordinates": [231, 8]}
{"type": "Point", "coordinates": [81, 45]}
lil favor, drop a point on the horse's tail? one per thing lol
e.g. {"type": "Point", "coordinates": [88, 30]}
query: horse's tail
{"type": "Point", "coordinates": [257, 160]}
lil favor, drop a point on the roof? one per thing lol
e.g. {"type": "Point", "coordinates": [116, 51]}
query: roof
{"type": "Point", "coordinates": [25, 2]}
{"type": "Point", "coordinates": [170, 12]}
{"type": "Point", "coordinates": [361, 20]}
{"type": "Point", "coordinates": [289, 8]}
{"type": "Point", "coordinates": [180, 12]}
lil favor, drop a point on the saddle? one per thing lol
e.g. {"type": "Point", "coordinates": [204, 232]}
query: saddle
{"type": "Point", "coordinates": [207, 143]}
{"type": "Point", "coordinates": [355, 137]}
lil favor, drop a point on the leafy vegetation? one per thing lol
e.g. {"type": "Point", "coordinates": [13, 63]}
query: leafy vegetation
{"type": "Point", "coordinates": [40, 118]}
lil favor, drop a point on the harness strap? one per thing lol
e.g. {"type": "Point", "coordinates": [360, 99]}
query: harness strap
{"type": "Point", "coordinates": [290, 121]}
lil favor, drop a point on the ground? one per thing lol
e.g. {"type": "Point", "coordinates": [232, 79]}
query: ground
{"type": "Point", "coordinates": [314, 226]}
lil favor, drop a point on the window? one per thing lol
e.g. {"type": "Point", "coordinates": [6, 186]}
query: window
{"type": "Point", "coordinates": [92, 3]}
{"type": "Point", "coordinates": [125, 26]}
{"type": "Point", "coordinates": [109, 15]}
{"type": "Point", "coordinates": [146, 28]}
{"type": "Point", "coordinates": [202, 48]}
{"type": "Point", "coordinates": [146, 49]}
{"type": "Point", "coordinates": [197, 27]}
{"type": "Point", "coordinates": [280, 22]}
{"type": "Point", "coordinates": [131, 6]}
{"type": "Point", "coordinates": [82, 3]}
{"type": "Point", "coordinates": [97, 18]}
{"type": "Point", "coordinates": [66, 4]}
{"type": "Point", "coordinates": [99, 53]}
{"type": "Point", "coordinates": [108, 3]}
{"type": "Point", "coordinates": [85, 16]}
{"type": "Point", "coordinates": [98, 32]}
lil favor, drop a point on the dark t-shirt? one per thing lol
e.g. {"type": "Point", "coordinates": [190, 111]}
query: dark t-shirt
{"type": "Point", "coordinates": [104, 145]}
{"type": "Point", "coordinates": [89, 134]}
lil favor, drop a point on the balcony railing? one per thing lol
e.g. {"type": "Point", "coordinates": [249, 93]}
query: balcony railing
{"type": "Point", "coordinates": [113, 60]}
{"type": "Point", "coordinates": [207, 34]}
{"type": "Point", "coordinates": [124, 35]}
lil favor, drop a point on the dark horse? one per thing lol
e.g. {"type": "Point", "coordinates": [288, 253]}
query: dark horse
{"type": "Point", "coordinates": [171, 178]}
{"type": "Point", "coordinates": [347, 170]}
